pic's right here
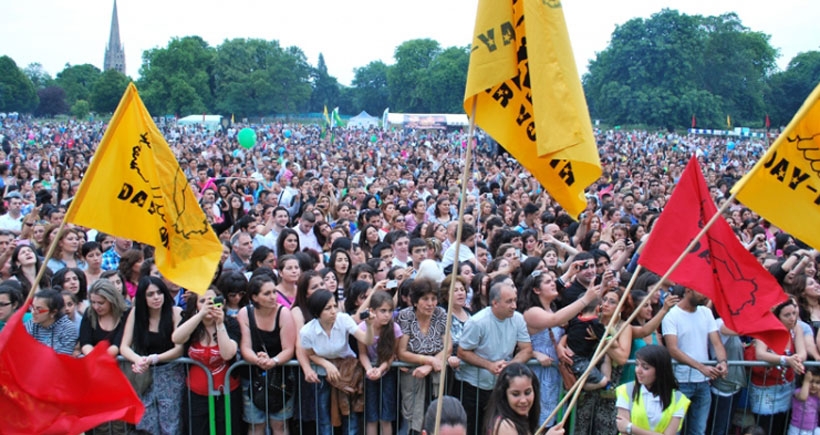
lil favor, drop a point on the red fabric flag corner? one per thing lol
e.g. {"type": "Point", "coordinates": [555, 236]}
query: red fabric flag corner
{"type": "Point", "coordinates": [42, 392]}
{"type": "Point", "coordinates": [694, 121]}
{"type": "Point", "coordinates": [719, 267]}
{"type": "Point", "coordinates": [768, 123]}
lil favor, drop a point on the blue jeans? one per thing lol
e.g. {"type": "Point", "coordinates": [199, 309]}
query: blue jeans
{"type": "Point", "coordinates": [701, 398]}
{"type": "Point", "coordinates": [324, 426]}
{"type": "Point", "coordinates": [350, 424]}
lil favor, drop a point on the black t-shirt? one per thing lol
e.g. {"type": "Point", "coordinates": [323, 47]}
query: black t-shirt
{"type": "Point", "coordinates": [577, 335]}
{"type": "Point", "coordinates": [570, 294]}
{"type": "Point", "coordinates": [91, 336]}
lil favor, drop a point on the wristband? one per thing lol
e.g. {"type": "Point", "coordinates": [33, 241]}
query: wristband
{"type": "Point", "coordinates": [421, 360]}
{"type": "Point", "coordinates": [154, 359]}
{"type": "Point", "coordinates": [783, 360]}
{"type": "Point", "coordinates": [629, 429]}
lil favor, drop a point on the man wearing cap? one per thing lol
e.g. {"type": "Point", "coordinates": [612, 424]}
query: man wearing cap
{"type": "Point", "coordinates": [13, 220]}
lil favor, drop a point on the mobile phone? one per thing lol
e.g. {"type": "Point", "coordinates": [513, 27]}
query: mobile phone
{"type": "Point", "coordinates": [677, 290]}
{"type": "Point", "coordinates": [392, 284]}
{"type": "Point", "coordinates": [218, 301]}
{"type": "Point", "coordinates": [364, 315]}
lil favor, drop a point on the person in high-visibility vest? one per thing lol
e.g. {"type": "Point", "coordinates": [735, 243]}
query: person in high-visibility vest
{"type": "Point", "coordinates": [652, 404]}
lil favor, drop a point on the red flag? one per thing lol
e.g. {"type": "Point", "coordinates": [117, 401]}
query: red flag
{"type": "Point", "coordinates": [45, 393]}
{"type": "Point", "coordinates": [718, 267]}
{"type": "Point", "coordinates": [694, 123]}
{"type": "Point", "coordinates": [768, 123]}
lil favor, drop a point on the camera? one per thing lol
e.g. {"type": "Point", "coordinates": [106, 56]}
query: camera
{"type": "Point", "coordinates": [218, 301]}
{"type": "Point", "coordinates": [677, 291]}
{"type": "Point", "coordinates": [392, 284]}
{"type": "Point", "coordinates": [364, 315]}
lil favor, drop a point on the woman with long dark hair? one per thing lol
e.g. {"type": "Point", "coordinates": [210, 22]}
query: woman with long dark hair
{"type": "Point", "coordinates": [651, 404]}
{"type": "Point", "coordinates": [513, 407]}
{"type": "Point", "coordinates": [381, 381]}
{"type": "Point", "coordinates": [147, 344]}
{"type": "Point", "coordinates": [24, 267]}
{"type": "Point", "coordinates": [287, 242]}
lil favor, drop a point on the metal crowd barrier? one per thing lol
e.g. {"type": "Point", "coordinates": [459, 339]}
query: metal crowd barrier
{"type": "Point", "coordinates": [727, 416]}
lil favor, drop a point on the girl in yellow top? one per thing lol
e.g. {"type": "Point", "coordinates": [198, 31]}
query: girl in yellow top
{"type": "Point", "coordinates": [651, 404]}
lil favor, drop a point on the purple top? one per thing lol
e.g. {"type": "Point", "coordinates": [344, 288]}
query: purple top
{"type": "Point", "coordinates": [804, 414]}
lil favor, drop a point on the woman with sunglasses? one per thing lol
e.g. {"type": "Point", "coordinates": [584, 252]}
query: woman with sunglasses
{"type": "Point", "coordinates": [49, 324]}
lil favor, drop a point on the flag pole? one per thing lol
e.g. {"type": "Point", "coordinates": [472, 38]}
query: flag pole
{"type": "Point", "coordinates": [448, 339]}
{"type": "Point", "coordinates": [655, 288]}
{"type": "Point", "coordinates": [575, 390]}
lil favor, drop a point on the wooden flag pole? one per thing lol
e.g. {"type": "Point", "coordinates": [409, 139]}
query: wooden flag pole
{"type": "Point", "coordinates": [575, 390]}
{"type": "Point", "coordinates": [448, 339]}
{"type": "Point", "coordinates": [637, 309]}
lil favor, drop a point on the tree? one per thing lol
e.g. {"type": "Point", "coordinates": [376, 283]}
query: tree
{"type": "Point", "coordinates": [326, 89]}
{"type": "Point", "coordinates": [38, 75]}
{"type": "Point", "coordinates": [370, 91]}
{"type": "Point", "coordinates": [17, 93]}
{"type": "Point", "coordinates": [442, 87]}
{"type": "Point", "coordinates": [736, 65]}
{"type": "Point", "coordinates": [662, 70]}
{"type": "Point", "coordinates": [177, 79]}
{"type": "Point", "coordinates": [258, 77]}
{"type": "Point", "coordinates": [108, 90]}
{"type": "Point", "coordinates": [788, 89]}
{"type": "Point", "coordinates": [77, 81]}
{"type": "Point", "coordinates": [80, 109]}
{"type": "Point", "coordinates": [52, 101]}
{"type": "Point", "coordinates": [404, 77]}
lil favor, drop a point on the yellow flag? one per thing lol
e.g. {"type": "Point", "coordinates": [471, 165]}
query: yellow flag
{"type": "Point", "coordinates": [728, 121]}
{"type": "Point", "coordinates": [523, 79]}
{"type": "Point", "coordinates": [135, 189]}
{"type": "Point", "coordinates": [784, 185]}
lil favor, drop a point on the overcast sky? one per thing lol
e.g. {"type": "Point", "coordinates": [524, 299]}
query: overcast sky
{"type": "Point", "coordinates": [349, 33]}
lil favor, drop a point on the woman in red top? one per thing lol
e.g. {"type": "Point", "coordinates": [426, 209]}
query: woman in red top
{"type": "Point", "coordinates": [210, 338]}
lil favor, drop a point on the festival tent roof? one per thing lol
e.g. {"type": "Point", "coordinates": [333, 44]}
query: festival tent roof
{"type": "Point", "coordinates": [428, 120]}
{"type": "Point", "coordinates": [363, 120]}
{"type": "Point", "coordinates": [211, 122]}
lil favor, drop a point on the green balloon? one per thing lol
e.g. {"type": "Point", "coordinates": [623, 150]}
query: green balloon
{"type": "Point", "coordinates": [247, 138]}
{"type": "Point", "coordinates": [373, 138]}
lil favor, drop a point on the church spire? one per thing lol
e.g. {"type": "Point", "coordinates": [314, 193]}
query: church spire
{"type": "Point", "coordinates": [114, 53]}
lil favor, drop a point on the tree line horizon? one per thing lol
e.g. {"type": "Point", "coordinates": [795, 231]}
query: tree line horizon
{"type": "Point", "coordinates": [661, 72]}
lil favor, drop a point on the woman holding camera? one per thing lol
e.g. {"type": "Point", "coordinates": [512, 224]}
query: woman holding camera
{"type": "Point", "coordinates": [208, 336]}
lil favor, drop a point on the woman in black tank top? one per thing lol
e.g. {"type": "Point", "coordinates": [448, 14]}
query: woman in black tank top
{"type": "Point", "coordinates": [268, 342]}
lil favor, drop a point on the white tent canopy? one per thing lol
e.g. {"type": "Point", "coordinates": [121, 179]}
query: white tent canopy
{"type": "Point", "coordinates": [428, 120]}
{"type": "Point", "coordinates": [364, 121]}
{"type": "Point", "coordinates": [211, 122]}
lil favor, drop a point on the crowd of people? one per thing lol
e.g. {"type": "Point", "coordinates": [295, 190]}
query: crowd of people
{"type": "Point", "coordinates": [338, 253]}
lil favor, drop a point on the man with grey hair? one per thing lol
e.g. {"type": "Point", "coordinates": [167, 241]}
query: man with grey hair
{"type": "Point", "coordinates": [241, 250]}
{"type": "Point", "coordinates": [487, 345]}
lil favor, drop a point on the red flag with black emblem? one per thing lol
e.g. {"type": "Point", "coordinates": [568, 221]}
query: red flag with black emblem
{"type": "Point", "coordinates": [719, 267]}
{"type": "Point", "coordinates": [45, 393]}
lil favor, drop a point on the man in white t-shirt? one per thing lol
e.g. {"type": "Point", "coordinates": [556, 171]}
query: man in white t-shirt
{"type": "Point", "coordinates": [307, 239]}
{"type": "Point", "coordinates": [13, 220]}
{"type": "Point", "coordinates": [688, 329]}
